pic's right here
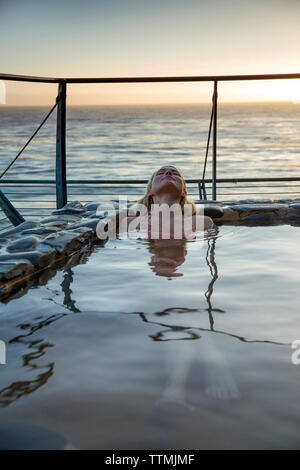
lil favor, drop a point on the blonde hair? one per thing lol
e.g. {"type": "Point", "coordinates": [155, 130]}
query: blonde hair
{"type": "Point", "coordinates": [148, 200]}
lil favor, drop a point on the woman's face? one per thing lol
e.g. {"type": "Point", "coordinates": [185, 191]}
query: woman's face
{"type": "Point", "coordinates": [167, 179]}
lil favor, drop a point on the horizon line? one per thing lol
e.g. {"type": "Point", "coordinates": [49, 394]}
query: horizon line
{"type": "Point", "coordinates": [295, 102]}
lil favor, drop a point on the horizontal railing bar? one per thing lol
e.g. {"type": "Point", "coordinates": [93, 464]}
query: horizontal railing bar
{"type": "Point", "coordinates": [29, 78]}
{"type": "Point", "coordinates": [35, 206]}
{"type": "Point", "coordinates": [254, 194]}
{"type": "Point", "coordinates": [209, 78]}
{"type": "Point", "coordinates": [38, 216]}
{"type": "Point", "coordinates": [270, 192]}
{"type": "Point", "coordinates": [205, 78]}
{"type": "Point", "coordinates": [191, 187]}
{"type": "Point", "coordinates": [194, 180]}
{"type": "Point", "coordinates": [35, 214]}
{"type": "Point", "coordinates": [76, 189]}
{"type": "Point", "coordinates": [17, 195]}
{"type": "Point", "coordinates": [131, 196]}
{"type": "Point", "coordinates": [49, 201]}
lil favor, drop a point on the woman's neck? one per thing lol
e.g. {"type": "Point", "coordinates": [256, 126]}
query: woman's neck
{"type": "Point", "coordinates": [168, 199]}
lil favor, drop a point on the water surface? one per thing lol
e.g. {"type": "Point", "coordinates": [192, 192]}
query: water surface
{"type": "Point", "coordinates": [123, 352]}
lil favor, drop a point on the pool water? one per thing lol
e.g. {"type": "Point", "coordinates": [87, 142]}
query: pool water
{"type": "Point", "coordinates": [156, 345]}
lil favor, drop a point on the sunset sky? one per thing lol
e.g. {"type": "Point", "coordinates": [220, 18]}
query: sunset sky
{"type": "Point", "coordinates": [123, 38]}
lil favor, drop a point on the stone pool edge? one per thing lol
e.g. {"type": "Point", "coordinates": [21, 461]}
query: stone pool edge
{"type": "Point", "coordinates": [32, 247]}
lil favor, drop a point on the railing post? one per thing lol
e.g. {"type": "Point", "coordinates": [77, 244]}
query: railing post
{"type": "Point", "coordinates": [61, 184]}
{"type": "Point", "coordinates": [10, 211]}
{"type": "Point", "coordinates": [214, 162]}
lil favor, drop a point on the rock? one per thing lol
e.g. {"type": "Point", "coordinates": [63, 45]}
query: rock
{"type": "Point", "coordinates": [258, 207]}
{"type": "Point", "coordinates": [89, 214]}
{"type": "Point", "coordinates": [57, 223]}
{"type": "Point", "coordinates": [57, 241]}
{"type": "Point", "coordinates": [91, 207]}
{"type": "Point", "coordinates": [66, 242]}
{"type": "Point", "coordinates": [38, 259]}
{"type": "Point", "coordinates": [261, 219]}
{"type": "Point", "coordinates": [214, 212]}
{"type": "Point", "coordinates": [14, 268]}
{"type": "Point", "coordinates": [23, 226]}
{"type": "Point", "coordinates": [44, 248]}
{"type": "Point", "coordinates": [295, 207]}
{"type": "Point", "coordinates": [3, 290]}
{"type": "Point", "coordinates": [292, 218]}
{"type": "Point", "coordinates": [45, 275]}
{"type": "Point", "coordinates": [229, 215]}
{"type": "Point", "coordinates": [40, 231]}
{"type": "Point", "coordinates": [74, 207]}
{"type": "Point", "coordinates": [253, 201]}
{"type": "Point", "coordinates": [22, 290]}
{"type": "Point", "coordinates": [59, 218]}
{"type": "Point", "coordinates": [252, 209]}
{"type": "Point", "coordinates": [91, 223]}
{"type": "Point", "coordinates": [284, 201]}
{"type": "Point", "coordinates": [67, 211]}
{"type": "Point", "coordinates": [23, 244]}
{"type": "Point", "coordinates": [87, 230]}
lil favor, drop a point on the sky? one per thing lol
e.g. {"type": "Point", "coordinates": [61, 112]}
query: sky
{"type": "Point", "coordinates": [127, 38]}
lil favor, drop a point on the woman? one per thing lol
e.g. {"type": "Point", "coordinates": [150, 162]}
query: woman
{"type": "Point", "coordinates": [165, 194]}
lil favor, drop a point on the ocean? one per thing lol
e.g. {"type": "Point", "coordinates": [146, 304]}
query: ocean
{"type": "Point", "coordinates": [119, 142]}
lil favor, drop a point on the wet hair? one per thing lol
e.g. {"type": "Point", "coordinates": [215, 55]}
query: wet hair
{"type": "Point", "coordinates": [148, 200]}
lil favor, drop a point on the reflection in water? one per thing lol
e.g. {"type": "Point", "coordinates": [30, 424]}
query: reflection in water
{"type": "Point", "coordinates": [38, 348]}
{"type": "Point", "coordinates": [167, 256]}
{"type": "Point", "coordinates": [182, 349]}
{"type": "Point", "coordinates": [68, 302]}
{"type": "Point", "coordinates": [212, 265]}
{"type": "Point", "coordinates": [181, 352]}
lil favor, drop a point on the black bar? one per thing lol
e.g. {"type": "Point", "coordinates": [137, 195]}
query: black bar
{"type": "Point", "coordinates": [214, 161]}
{"type": "Point", "coordinates": [9, 210]}
{"type": "Point", "coordinates": [61, 185]}
{"type": "Point", "coordinates": [28, 78]}
{"type": "Point", "coordinates": [207, 78]}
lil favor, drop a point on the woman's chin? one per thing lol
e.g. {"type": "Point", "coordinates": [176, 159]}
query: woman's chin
{"type": "Point", "coordinates": [170, 186]}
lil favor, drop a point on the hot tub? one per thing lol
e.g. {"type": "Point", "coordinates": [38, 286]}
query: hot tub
{"type": "Point", "coordinates": [148, 346]}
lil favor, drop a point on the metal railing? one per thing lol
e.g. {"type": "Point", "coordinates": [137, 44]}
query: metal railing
{"type": "Point", "coordinates": [61, 181]}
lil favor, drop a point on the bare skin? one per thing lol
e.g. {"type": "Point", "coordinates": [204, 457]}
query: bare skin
{"type": "Point", "coordinates": [167, 255]}
{"type": "Point", "coordinates": [167, 188]}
